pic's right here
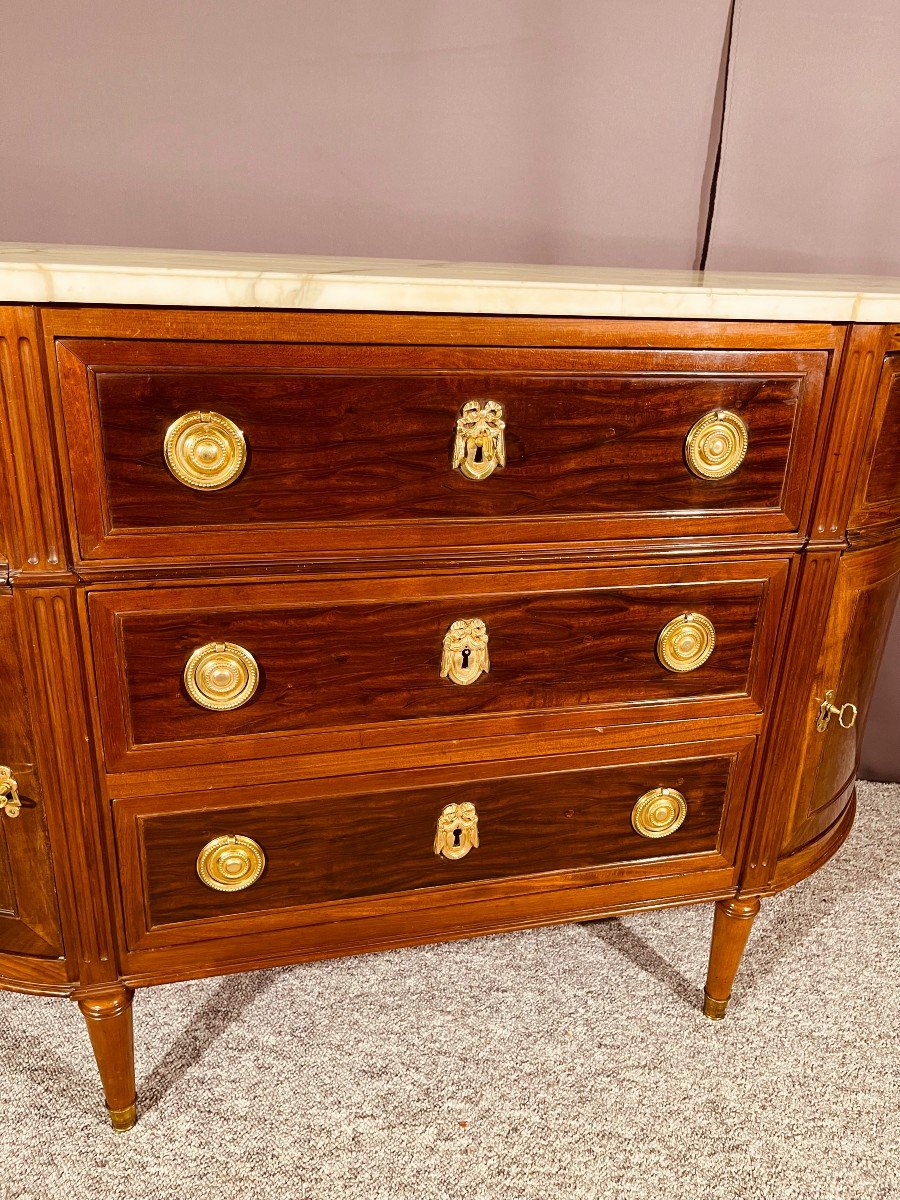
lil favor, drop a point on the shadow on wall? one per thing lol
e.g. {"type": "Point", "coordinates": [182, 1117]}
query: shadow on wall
{"type": "Point", "coordinates": [881, 747]}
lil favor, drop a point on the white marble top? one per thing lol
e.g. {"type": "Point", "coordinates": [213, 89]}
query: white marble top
{"type": "Point", "coordinates": [40, 274]}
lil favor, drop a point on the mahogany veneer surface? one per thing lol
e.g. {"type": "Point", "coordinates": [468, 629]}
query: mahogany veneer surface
{"type": "Point", "coordinates": [349, 446]}
{"type": "Point", "coordinates": [880, 499]}
{"type": "Point", "coordinates": [341, 656]}
{"type": "Point", "coordinates": [335, 848]}
{"type": "Point", "coordinates": [339, 559]}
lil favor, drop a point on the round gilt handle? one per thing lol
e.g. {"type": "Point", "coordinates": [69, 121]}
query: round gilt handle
{"type": "Point", "coordinates": [204, 450]}
{"type": "Point", "coordinates": [221, 676]}
{"type": "Point", "coordinates": [716, 445]}
{"type": "Point", "coordinates": [659, 812]}
{"type": "Point", "coordinates": [686, 642]}
{"type": "Point", "coordinates": [230, 863]}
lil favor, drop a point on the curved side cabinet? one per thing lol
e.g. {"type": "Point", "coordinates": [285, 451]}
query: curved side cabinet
{"type": "Point", "coordinates": [30, 941]}
{"type": "Point", "coordinates": [857, 625]}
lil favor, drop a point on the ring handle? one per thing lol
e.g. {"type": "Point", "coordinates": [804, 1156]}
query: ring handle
{"type": "Point", "coordinates": [659, 812]}
{"type": "Point", "coordinates": [221, 676]}
{"type": "Point", "coordinates": [205, 451]}
{"type": "Point", "coordinates": [686, 642]}
{"type": "Point", "coordinates": [716, 445]}
{"type": "Point", "coordinates": [230, 863]}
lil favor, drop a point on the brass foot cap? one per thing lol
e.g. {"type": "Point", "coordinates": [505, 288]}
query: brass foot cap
{"type": "Point", "coordinates": [714, 1009]}
{"type": "Point", "coordinates": [123, 1118]}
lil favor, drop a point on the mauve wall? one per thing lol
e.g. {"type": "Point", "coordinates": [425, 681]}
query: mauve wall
{"type": "Point", "coordinates": [810, 181]}
{"type": "Point", "coordinates": [810, 172]}
{"type": "Point", "coordinates": [524, 130]}
{"type": "Point", "coordinates": [573, 131]}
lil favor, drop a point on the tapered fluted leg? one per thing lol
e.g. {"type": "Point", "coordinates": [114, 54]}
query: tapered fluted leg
{"type": "Point", "coordinates": [108, 1016]}
{"type": "Point", "coordinates": [731, 928]}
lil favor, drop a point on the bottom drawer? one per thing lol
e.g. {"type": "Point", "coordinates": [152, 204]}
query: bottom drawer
{"type": "Point", "coordinates": [195, 866]}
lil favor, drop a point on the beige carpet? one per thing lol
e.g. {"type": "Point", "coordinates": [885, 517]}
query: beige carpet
{"type": "Point", "coordinates": [569, 1063]}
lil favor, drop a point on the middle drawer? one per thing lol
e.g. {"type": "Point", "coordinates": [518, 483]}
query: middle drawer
{"type": "Point", "coordinates": [208, 674]}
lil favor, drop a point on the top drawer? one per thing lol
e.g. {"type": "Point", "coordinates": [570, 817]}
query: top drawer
{"type": "Point", "coordinates": [329, 448]}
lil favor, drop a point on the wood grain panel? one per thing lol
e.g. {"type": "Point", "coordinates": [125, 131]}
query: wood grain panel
{"type": "Point", "coordinates": [54, 671]}
{"type": "Point", "coordinates": [350, 447]}
{"type": "Point", "coordinates": [369, 654]}
{"type": "Point", "coordinates": [430, 329]}
{"type": "Point", "coordinates": [884, 478]}
{"type": "Point", "coordinates": [350, 840]}
{"type": "Point", "coordinates": [788, 727]}
{"type": "Point", "coordinates": [866, 591]}
{"type": "Point", "coordinates": [276, 940]}
{"type": "Point", "coordinates": [376, 445]}
{"type": "Point", "coordinates": [849, 426]}
{"type": "Point", "coordinates": [878, 492]}
{"type": "Point", "coordinates": [46, 976]}
{"type": "Point", "coordinates": [29, 918]}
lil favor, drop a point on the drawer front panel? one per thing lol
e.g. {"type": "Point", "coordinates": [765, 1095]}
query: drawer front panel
{"type": "Point", "coordinates": [372, 655]}
{"type": "Point", "coordinates": [335, 436]}
{"type": "Point", "coordinates": [878, 493]}
{"type": "Point", "coordinates": [555, 818]}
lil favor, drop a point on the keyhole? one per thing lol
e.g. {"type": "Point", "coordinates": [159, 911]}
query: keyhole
{"type": "Point", "coordinates": [479, 456]}
{"type": "Point", "coordinates": [457, 834]}
{"type": "Point", "coordinates": [465, 657]}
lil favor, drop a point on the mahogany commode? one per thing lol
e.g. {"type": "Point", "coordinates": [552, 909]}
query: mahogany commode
{"type": "Point", "coordinates": [346, 608]}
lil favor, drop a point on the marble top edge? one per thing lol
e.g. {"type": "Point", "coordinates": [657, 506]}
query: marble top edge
{"type": "Point", "coordinates": [35, 273]}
